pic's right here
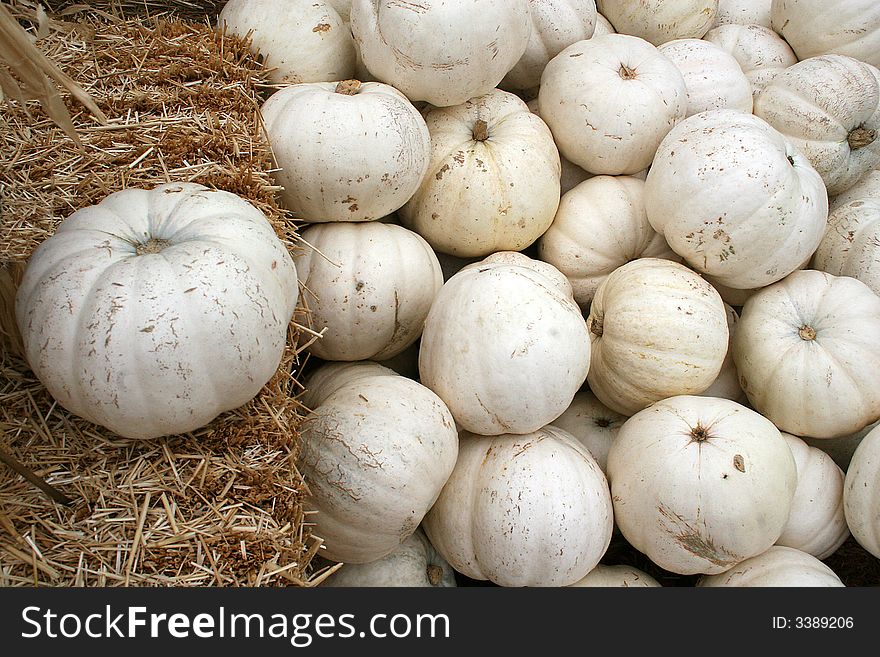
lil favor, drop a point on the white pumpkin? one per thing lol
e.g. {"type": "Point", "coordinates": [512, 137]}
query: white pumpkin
{"type": "Point", "coordinates": [657, 330]}
{"type": "Point", "coordinates": [609, 101]}
{"type": "Point", "coordinates": [726, 384]}
{"type": "Point", "coordinates": [603, 576]}
{"type": "Point", "coordinates": [861, 493]}
{"type": "Point", "coordinates": [829, 108]}
{"type": "Point", "coordinates": [760, 52]}
{"type": "Point", "coordinates": [153, 312]}
{"type": "Point", "coordinates": [603, 26]}
{"type": "Point", "coordinates": [369, 287]}
{"type": "Point", "coordinates": [523, 510]}
{"type": "Point", "coordinates": [731, 295]}
{"type": "Point", "coordinates": [556, 24]}
{"type": "Point", "coordinates": [415, 563]}
{"type": "Point", "coordinates": [851, 246]}
{"type": "Point", "coordinates": [700, 484]}
{"type": "Point", "coordinates": [808, 354]}
{"type": "Point", "coordinates": [779, 566]}
{"type": "Point", "coordinates": [743, 12]}
{"type": "Point", "coordinates": [377, 449]}
{"type": "Point", "coordinates": [816, 523]}
{"type": "Point", "coordinates": [659, 21]}
{"type": "Point", "coordinates": [441, 52]}
{"type": "Point", "coordinates": [735, 199]}
{"type": "Point", "coordinates": [301, 40]}
{"type": "Point", "coordinates": [713, 77]}
{"type": "Point", "coordinates": [841, 448]}
{"type": "Point", "coordinates": [493, 180]}
{"type": "Point", "coordinates": [600, 225]}
{"type": "Point", "coordinates": [592, 423]}
{"type": "Point", "coordinates": [571, 174]}
{"type": "Point", "coordinates": [868, 186]}
{"type": "Point", "coordinates": [505, 345]}
{"type": "Point", "coordinates": [346, 151]}
{"type": "Point", "coordinates": [817, 27]}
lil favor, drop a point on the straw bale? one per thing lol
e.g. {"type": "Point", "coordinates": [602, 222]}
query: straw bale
{"type": "Point", "coordinates": [222, 506]}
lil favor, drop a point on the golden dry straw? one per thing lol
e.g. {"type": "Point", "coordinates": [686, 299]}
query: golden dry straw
{"type": "Point", "coordinates": [222, 506]}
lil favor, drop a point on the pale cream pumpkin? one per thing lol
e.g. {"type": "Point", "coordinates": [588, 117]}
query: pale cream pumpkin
{"type": "Point", "coordinates": [609, 101]}
{"type": "Point", "coordinates": [851, 246]}
{"type": "Point", "coordinates": [778, 566]}
{"type": "Point", "coordinates": [817, 27]}
{"type": "Point", "coordinates": [368, 288]}
{"type": "Point", "coordinates": [556, 24]}
{"type": "Point", "coordinates": [861, 493]}
{"type": "Point", "coordinates": [713, 77]}
{"type": "Point", "coordinates": [444, 53]}
{"type": "Point", "coordinates": [841, 448]}
{"type": "Point", "coordinates": [657, 330]}
{"type": "Point", "coordinates": [726, 384]}
{"type": "Point", "coordinates": [571, 174]}
{"type": "Point", "coordinates": [592, 423]}
{"type": "Point", "coordinates": [154, 311]}
{"type": "Point", "coordinates": [499, 329]}
{"type": "Point", "coordinates": [346, 151]}
{"type": "Point", "coordinates": [735, 199]}
{"type": "Point", "coordinates": [301, 40]}
{"type": "Point", "coordinates": [415, 563]}
{"type": "Point", "coordinates": [760, 52]}
{"type": "Point", "coordinates": [816, 523]}
{"type": "Point", "coordinates": [523, 510]}
{"type": "Point", "coordinates": [493, 179]}
{"type": "Point", "coordinates": [743, 12]}
{"type": "Point", "coordinates": [868, 186]}
{"type": "Point", "coordinates": [829, 107]}
{"type": "Point", "coordinates": [659, 21]}
{"type": "Point", "coordinates": [603, 26]}
{"type": "Point", "coordinates": [808, 356]}
{"type": "Point", "coordinates": [600, 225]}
{"type": "Point", "coordinates": [700, 484]}
{"type": "Point", "coordinates": [616, 576]}
{"type": "Point", "coordinates": [377, 449]}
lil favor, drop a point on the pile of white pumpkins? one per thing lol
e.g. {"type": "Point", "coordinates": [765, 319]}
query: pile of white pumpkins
{"type": "Point", "coordinates": [567, 273]}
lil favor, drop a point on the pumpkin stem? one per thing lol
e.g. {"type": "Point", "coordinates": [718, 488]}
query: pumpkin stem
{"type": "Point", "coordinates": [348, 87]}
{"type": "Point", "coordinates": [807, 333]}
{"type": "Point", "coordinates": [603, 422]}
{"type": "Point", "coordinates": [435, 574]}
{"type": "Point", "coordinates": [861, 137]}
{"type": "Point", "coordinates": [626, 72]}
{"type": "Point", "coordinates": [596, 326]}
{"type": "Point", "coordinates": [699, 434]}
{"type": "Point", "coordinates": [481, 130]}
{"type": "Point", "coordinates": [152, 246]}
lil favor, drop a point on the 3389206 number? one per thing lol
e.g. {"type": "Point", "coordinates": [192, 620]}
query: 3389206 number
{"type": "Point", "coordinates": [823, 622]}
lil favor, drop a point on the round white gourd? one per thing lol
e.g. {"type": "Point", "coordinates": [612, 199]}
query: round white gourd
{"type": "Point", "coordinates": [505, 345]}
{"type": "Point", "coordinates": [808, 356]}
{"type": "Point", "coordinates": [829, 108]}
{"type": "Point", "coordinates": [841, 448]}
{"type": "Point", "coordinates": [441, 52]}
{"type": "Point", "coordinates": [816, 523]}
{"type": "Point", "coordinates": [493, 179]}
{"type": "Point", "coordinates": [861, 493]}
{"type": "Point", "coordinates": [851, 246]}
{"type": "Point", "coordinates": [377, 449]}
{"type": "Point", "coordinates": [726, 384]}
{"type": "Point", "coordinates": [301, 40]}
{"type": "Point", "coordinates": [603, 26]}
{"type": "Point", "coordinates": [659, 21]}
{"type": "Point", "coordinates": [735, 199]}
{"type": "Point", "coordinates": [743, 12]}
{"type": "Point", "coordinates": [600, 225]}
{"type": "Point", "coordinates": [700, 484]}
{"type": "Point", "coordinates": [369, 287]}
{"type": "Point", "coordinates": [868, 186]}
{"type": "Point", "coordinates": [523, 510]}
{"type": "Point", "coordinates": [818, 27]}
{"type": "Point", "coordinates": [592, 423]}
{"type": "Point", "coordinates": [415, 563]}
{"type": "Point", "coordinates": [556, 24]}
{"type": "Point", "coordinates": [616, 576]}
{"type": "Point", "coordinates": [572, 175]}
{"type": "Point", "coordinates": [778, 566]}
{"type": "Point", "coordinates": [609, 101]}
{"type": "Point", "coordinates": [657, 330]}
{"type": "Point", "coordinates": [153, 312]}
{"type": "Point", "coordinates": [712, 77]}
{"type": "Point", "coordinates": [346, 151]}
{"type": "Point", "coordinates": [760, 52]}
